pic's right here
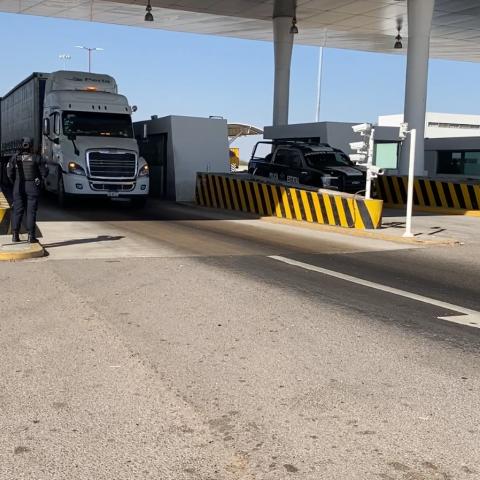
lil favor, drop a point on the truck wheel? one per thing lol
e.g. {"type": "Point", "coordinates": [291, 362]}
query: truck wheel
{"type": "Point", "coordinates": [139, 202]}
{"type": "Point", "coordinates": [62, 197]}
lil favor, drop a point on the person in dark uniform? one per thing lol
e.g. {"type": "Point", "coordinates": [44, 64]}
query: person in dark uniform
{"type": "Point", "coordinates": [25, 170]}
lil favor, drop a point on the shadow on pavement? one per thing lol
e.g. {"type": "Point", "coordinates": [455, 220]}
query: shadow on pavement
{"type": "Point", "coordinates": [78, 241]}
{"type": "Point", "coordinates": [401, 226]}
{"type": "Point", "coordinates": [104, 210]}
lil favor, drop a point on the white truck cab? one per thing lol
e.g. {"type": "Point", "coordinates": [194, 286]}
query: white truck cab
{"type": "Point", "coordinates": [88, 140]}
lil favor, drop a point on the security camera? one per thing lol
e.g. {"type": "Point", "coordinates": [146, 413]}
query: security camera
{"type": "Point", "coordinates": [358, 157]}
{"type": "Point", "coordinates": [403, 131]}
{"type": "Point", "coordinates": [377, 171]}
{"type": "Point", "coordinates": [357, 145]}
{"type": "Point", "coordinates": [362, 128]}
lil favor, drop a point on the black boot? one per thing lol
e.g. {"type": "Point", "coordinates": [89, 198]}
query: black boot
{"type": "Point", "coordinates": [32, 238]}
{"type": "Point", "coordinates": [15, 237]}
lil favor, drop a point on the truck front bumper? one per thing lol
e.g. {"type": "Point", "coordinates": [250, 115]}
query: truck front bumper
{"type": "Point", "coordinates": [80, 185]}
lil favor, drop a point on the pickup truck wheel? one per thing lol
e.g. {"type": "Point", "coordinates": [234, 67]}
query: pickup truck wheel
{"type": "Point", "coordinates": [62, 197]}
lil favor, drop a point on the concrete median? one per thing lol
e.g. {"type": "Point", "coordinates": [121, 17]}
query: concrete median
{"type": "Point", "coordinates": [441, 196]}
{"type": "Point", "coordinates": [263, 197]}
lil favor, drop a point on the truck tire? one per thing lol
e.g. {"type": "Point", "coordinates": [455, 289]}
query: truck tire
{"type": "Point", "coordinates": [64, 200]}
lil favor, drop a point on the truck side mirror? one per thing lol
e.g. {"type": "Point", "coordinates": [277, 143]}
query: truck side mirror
{"type": "Point", "coordinates": [46, 127]}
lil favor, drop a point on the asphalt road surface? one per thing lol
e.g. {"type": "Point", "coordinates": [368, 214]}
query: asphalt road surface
{"type": "Point", "coordinates": [178, 344]}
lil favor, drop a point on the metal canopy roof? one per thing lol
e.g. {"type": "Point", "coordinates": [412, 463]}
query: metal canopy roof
{"type": "Point", "coordinates": [242, 130]}
{"type": "Point", "coordinates": [368, 25]}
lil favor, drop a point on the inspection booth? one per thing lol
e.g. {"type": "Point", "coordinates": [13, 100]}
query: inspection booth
{"type": "Point", "coordinates": [177, 147]}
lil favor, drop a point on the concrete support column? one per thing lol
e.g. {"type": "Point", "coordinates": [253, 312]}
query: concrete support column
{"type": "Point", "coordinates": [282, 44]}
{"type": "Point", "coordinates": [420, 13]}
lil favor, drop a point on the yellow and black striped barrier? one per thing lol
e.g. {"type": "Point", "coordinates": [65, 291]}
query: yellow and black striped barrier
{"type": "Point", "coordinates": [266, 198]}
{"type": "Point", "coordinates": [448, 196]}
{"type": "Point", "coordinates": [4, 215]}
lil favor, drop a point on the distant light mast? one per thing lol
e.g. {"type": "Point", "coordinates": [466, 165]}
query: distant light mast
{"type": "Point", "coordinates": [90, 50]}
{"type": "Point", "coordinates": [64, 57]}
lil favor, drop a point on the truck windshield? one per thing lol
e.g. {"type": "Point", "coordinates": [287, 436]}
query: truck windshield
{"type": "Point", "coordinates": [95, 124]}
{"type": "Point", "coordinates": [327, 159]}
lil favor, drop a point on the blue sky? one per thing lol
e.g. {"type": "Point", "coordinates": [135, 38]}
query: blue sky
{"type": "Point", "coordinates": [176, 73]}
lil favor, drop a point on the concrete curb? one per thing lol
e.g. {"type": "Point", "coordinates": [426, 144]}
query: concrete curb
{"type": "Point", "coordinates": [444, 211]}
{"type": "Point", "coordinates": [20, 251]}
{"type": "Point", "coordinates": [376, 235]}
{"type": "Point", "coordinates": [219, 214]}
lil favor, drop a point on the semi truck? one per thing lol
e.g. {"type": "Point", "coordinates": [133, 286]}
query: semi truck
{"type": "Point", "coordinates": [82, 127]}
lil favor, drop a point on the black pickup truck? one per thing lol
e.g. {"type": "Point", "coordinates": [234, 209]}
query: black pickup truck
{"type": "Point", "coordinates": [313, 164]}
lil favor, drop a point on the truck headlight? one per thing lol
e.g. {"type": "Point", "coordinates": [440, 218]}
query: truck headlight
{"type": "Point", "coordinates": [329, 181]}
{"type": "Point", "coordinates": [75, 168]}
{"type": "Point", "coordinates": [144, 171]}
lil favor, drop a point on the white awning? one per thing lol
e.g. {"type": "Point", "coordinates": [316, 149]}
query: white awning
{"type": "Point", "coordinates": [240, 130]}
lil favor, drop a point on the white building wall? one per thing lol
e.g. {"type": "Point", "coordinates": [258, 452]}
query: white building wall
{"type": "Point", "coordinates": [199, 145]}
{"type": "Point", "coordinates": [440, 125]}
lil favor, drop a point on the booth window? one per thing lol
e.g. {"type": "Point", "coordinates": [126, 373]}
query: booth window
{"type": "Point", "coordinates": [459, 163]}
{"type": "Point", "coordinates": [386, 154]}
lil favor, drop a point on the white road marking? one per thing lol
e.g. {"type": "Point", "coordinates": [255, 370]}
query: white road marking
{"type": "Point", "coordinates": [469, 317]}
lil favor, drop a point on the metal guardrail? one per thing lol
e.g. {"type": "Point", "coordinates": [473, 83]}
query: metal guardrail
{"type": "Point", "coordinates": [271, 198]}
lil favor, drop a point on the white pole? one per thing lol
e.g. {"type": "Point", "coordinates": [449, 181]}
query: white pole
{"type": "Point", "coordinates": [411, 179]}
{"type": "Point", "coordinates": [319, 84]}
{"type": "Point", "coordinates": [89, 50]}
{"type": "Point", "coordinates": [371, 144]}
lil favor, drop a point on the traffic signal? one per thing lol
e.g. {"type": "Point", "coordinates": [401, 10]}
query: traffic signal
{"type": "Point", "coordinates": [364, 155]}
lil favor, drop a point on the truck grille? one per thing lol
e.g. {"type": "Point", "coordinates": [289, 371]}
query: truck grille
{"type": "Point", "coordinates": [112, 165]}
{"type": "Point", "coordinates": [112, 187]}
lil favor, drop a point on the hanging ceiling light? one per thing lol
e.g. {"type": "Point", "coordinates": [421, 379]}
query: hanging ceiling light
{"type": "Point", "coordinates": [148, 15]}
{"type": "Point", "coordinates": [398, 42]}
{"type": "Point", "coordinates": [294, 28]}
{"type": "Point", "coordinates": [398, 39]}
